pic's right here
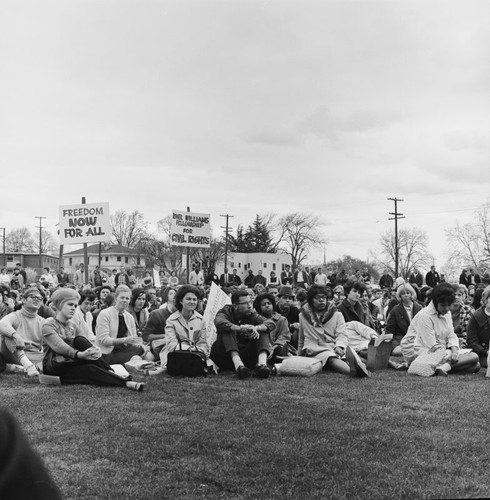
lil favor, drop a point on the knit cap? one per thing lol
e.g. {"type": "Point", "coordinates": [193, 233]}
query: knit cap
{"type": "Point", "coordinates": [61, 295]}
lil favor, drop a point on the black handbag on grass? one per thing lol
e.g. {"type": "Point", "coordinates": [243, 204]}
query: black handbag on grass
{"type": "Point", "coordinates": [187, 363]}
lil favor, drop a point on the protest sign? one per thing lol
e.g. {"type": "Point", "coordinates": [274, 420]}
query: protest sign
{"type": "Point", "coordinates": [86, 223]}
{"type": "Point", "coordinates": [189, 229]}
{"type": "Point", "coordinates": [217, 299]}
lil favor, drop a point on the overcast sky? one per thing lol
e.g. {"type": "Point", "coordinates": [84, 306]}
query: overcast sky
{"type": "Point", "coordinates": [245, 107]}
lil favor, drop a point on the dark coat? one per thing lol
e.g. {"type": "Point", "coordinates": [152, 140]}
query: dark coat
{"type": "Point", "coordinates": [432, 279]}
{"type": "Point", "coordinates": [398, 320]}
{"type": "Point", "coordinates": [417, 279]}
{"type": "Point", "coordinates": [352, 313]}
{"type": "Point", "coordinates": [478, 332]}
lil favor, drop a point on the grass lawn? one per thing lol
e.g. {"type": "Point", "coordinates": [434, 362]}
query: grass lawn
{"type": "Point", "coordinates": [330, 436]}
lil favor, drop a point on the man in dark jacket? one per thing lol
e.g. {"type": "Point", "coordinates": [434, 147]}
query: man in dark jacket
{"type": "Point", "coordinates": [243, 340]}
{"type": "Point", "coordinates": [432, 278]}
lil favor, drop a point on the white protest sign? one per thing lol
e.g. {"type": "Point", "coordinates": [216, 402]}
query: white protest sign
{"type": "Point", "coordinates": [189, 229]}
{"type": "Point", "coordinates": [217, 299]}
{"type": "Point", "coordinates": [156, 278]}
{"type": "Point", "coordinates": [86, 223]}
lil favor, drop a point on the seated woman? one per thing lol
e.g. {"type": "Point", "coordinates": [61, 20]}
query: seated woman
{"type": "Point", "coordinates": [402, 314]}
{"type": "Point", "coordinates": [351, 307]}
{"type": "Point", "coordinates": [430, 345]}
{"type": "Point", "coordinates": [322, 335]}
{"type": "Point", "coordinates": [153, 332]}
{"type": "Point", "coordinates": [70, 355]}
{"type": "Point", "coordinates": [459, 311]}
{"type": "Point", "coordinates": [280, 335]}
{"type": "Point", "coordinates": [116, 330]}
{"type": "Point", "coordinates": [185, 328]}
{"type": "Point", "coordinates": [478, 335]}
{"type": "Point", "coordinates": [83, 318]}
{"type": "Point", "coordinates": [138, 308]}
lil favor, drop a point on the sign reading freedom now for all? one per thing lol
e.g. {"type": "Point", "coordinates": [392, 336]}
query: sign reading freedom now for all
{"type": "Point", "coordinates": [189, 229]}
{"type": "Point", "coordinates": [87, 223]}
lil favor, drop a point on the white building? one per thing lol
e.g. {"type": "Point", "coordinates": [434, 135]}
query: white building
{"type": "Point", "coordinates": [111, 257]}
{"type": "Point", "coordinates": [267, 262]}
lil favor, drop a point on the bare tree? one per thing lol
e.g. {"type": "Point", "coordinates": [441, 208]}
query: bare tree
{"type": "Point", "coordinates": [470, 242]}
{"type": "Point", "coordinates": [128, 228]}
{"type": "Point", "coordinates": [412, 250]}
{"type": "Point", "coordinates": [20, 240]}
{"type": "Point", "coordinates": [299, 233]}
{"type": "Point", "coordinates": [49, 243]}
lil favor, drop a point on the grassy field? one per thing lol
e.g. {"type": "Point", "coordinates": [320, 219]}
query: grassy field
{"type": "Point", "coordinates": [391, 436]}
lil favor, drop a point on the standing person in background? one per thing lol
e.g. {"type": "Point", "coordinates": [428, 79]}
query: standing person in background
{"type": "Point", "coordinates": [79, 277]}
{"type": "Point", "coordinates": [260, 278]}
{"type": "Point", "coordinates": [63, 278]}
{"type": "Point", "coordinates": [97, 277]}
{"type": "Point", "coordinates": [300, 278]}
{"type": "Point", "coordinates": [225, 278]}
{"type": "Point", "coordinates": [473, 278]}
{"type": "Point", "coordinates": [416, 278]}
{"type": "Point", "coordinates": [196, 276]}
{"type": "Point", "coordinates": [432, 278]}
{"type": "Point", "coordinates": [17, 281]}
{"type": "Point", "coordinates": [4, 277]}
{"type": "Point", "coordinates": [249, 281]}
{"type": "Point", "coordinates": [287, 276]}
{"type": "Point", "coordinates": [321, 278]}
{"type": "Point", "coordinates": [236, 279]}
{"type": "Point", "coordinates": [22, 272]}
{"type": "Point", "coordinates": [122, 278]}
{"type": "Point", "coordinates": [365, 275]}
{"type": "Point", "coordinates": [111, 280]}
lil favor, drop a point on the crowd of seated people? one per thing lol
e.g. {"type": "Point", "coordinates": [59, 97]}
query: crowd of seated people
{"type": "Point", "coordinates": [78, 331]}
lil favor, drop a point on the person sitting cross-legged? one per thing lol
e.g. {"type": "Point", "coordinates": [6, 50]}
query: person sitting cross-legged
{"type": "Point", "coordinates": [21, 336]}
{"type": "Point", "coordinates": [280, 335]}
{"type": "Point", "coordinates": [430, 346]}
{"type": "Point", "coordinates": [322, 335]}
{"type": "Point", "coordinates": [243, 340]}
{"type": "Point", "coordinates": [70, 355]}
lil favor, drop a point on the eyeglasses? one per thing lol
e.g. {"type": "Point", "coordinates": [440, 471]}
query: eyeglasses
{"type": "Point", "coordinates": [244, 303]}
{"type": "Point", "coordinates": [35, 297]}
{"type": "Point", "coordinates": [320, 298]}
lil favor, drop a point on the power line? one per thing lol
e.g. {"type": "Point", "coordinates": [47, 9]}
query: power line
{"type": "Point", "coordinates": [227, 231]}
{"type": "Point", "coordinates": [40, 240]}
{"type": "Point", "coordinates": [397, 215]}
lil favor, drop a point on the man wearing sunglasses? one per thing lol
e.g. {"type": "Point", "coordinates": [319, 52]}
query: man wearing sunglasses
{"type": "Point", "coordinates": [20, 334]}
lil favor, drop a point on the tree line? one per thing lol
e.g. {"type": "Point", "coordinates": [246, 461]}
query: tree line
{"type": "Point", "coordinates": [295, 234]}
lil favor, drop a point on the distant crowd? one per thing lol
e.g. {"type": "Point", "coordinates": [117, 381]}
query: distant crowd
{"type": "Point", "coordinates": [79, 332]}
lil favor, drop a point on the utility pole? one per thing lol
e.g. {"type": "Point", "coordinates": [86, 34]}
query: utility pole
{"type": "Point", "coordinates": [40, 240]}
{"type": "Point", "coordinates": [396, 216]}
{"type": "Point", "coordinates": [227, 231]}
{"type": "Point", "coordinates": [4, 256]}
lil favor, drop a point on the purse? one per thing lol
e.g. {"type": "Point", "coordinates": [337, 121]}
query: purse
{"type": "Point", "coordinates": [187, 362]}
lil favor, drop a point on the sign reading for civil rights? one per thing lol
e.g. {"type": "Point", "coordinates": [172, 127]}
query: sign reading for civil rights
{"type": "Point", "coordinates": [87, 223]}
{"type": "Point", "coordinates": [189, 229]}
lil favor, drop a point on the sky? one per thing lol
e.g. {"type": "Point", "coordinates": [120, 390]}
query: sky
{"type": "Point", "coordinates": [246, 107]}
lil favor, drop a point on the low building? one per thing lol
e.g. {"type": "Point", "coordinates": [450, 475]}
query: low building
{"type": "Point", "coordinates": [267, 262]}
{"type": "Point", "coordinates": [107, 256]}
{"type": "Point", "coordinates": [30, 260]}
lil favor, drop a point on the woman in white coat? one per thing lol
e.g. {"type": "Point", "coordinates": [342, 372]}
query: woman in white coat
{"type": "Point", "coordinates": [116, 334]}
{"type": "Point", "coordinates": [186, 326]}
